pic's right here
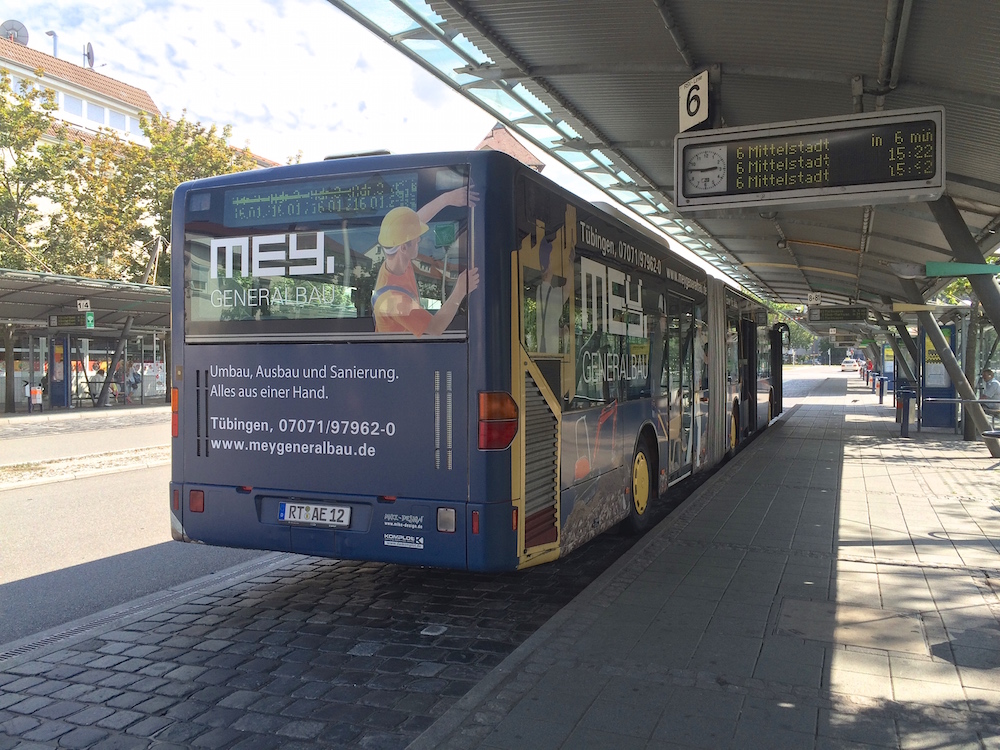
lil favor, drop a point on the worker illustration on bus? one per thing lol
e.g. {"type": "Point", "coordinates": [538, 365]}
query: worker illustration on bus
{"type": "Point", "coordinates": [551, 297]}
{"type": "Point", "coordinates": [396, 299]}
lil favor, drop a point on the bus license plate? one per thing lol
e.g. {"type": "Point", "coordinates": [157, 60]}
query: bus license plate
{"type": "Point", "coordinates": [318, 515]}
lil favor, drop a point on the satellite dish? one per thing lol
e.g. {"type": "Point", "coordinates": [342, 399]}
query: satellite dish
{"type": "Point", "coordinates": [15, 32]}
{"type": "Point", "coordinates": [89, 54]}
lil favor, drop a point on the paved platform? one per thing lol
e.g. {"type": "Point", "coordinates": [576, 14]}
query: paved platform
{"type": "Point", "coordinates": [833, 586]}
{"type": "Point", "coordinates": [81, 434]}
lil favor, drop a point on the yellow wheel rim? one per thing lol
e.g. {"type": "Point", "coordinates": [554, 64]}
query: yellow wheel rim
{"type": "Point", "coordinates": [640, 483]}
{"type": "Point", "coordinates": [732, 431]}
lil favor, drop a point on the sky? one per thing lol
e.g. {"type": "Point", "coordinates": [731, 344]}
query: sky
{"type": "Point", "coordinates": [287, 75]}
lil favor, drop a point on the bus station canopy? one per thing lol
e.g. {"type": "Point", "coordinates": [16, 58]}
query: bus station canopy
{"type": "Point", "coordinates": [28, 300]}
{"type": "Point", "coordinates": [597, 85]}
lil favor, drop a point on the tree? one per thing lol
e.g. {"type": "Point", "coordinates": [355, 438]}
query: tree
{"type": "Point", "coordinates": [178, 152]}
{"type": "Point", "coordinates": [100, 227]}
{"type": "Point", "coordinates": [114, 197]}
{"type": "Point", "coordinates": [799, 337]}
{"type": "Point", "coordinates": [29, 167]}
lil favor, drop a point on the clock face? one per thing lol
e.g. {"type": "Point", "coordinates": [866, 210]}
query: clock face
{"type": "Point", "coordinates": [705, 170]}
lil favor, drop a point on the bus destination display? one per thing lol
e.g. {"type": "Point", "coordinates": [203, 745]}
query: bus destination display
{"type": "Point", "coordinates": [319, 199]}
{"type": "Point", "coordinates": [869, 159]}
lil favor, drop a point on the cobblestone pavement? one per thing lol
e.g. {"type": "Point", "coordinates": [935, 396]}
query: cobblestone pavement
{"type": "Point", "coordinates": [320, 652]}
{"type": "Point", "coordinates": [314, 654]}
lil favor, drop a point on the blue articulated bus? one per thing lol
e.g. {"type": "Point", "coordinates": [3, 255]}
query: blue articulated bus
{"type": "Point", "coordinates": [441, 360]}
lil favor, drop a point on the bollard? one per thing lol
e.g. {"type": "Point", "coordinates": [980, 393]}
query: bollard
{"type": "Point", "coordinates": [881, 390]}
{"type": "Point", "coordinates": [904, 422]}
{"type": "Point", "coordinates": [874, 379]}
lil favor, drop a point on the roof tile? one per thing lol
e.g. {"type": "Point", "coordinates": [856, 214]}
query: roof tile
{"type": "Point", "coordinates": [79, 76]}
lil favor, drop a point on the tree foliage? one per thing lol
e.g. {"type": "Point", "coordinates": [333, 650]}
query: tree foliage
{"type": "Point", "coordinates": [800, 337]}
{"type": "Point", "coordinates": [28, 166]}
{"type": "Point", "coordinates": [96, 205]}
{"type": "Point", "coordinates": [99, 227]}
{"type": "Point", "coordinates": [181, 151]}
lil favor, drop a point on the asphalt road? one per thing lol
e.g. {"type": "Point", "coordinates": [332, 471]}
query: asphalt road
{"type": "Point", "coordinates": [71, 548]}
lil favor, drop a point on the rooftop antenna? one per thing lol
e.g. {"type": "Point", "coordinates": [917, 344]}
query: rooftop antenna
{"type": "Point", "coordinates": [88, 56]}
{"type": "Point", "coordinates": [55, 42]}
{"type": "Point", "coordinates": [14, 31]}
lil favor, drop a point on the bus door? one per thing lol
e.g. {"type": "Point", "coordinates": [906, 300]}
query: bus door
{"type": "Point", "coordinates": [734, 385]}
{"type": "Point", "coordinates": [542, 381]}
{"type": "Point", "coordinates": [680, 384]}
{"type": "Point", "coordinates": [748, 375]}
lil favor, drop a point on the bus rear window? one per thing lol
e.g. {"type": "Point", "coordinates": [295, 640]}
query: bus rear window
{"type": "Point", "coordinates": [371, 255]}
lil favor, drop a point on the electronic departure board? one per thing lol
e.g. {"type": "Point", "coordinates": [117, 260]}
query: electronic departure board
{"type": "Point", "coordinates": [887, 157]}
{"type": "Point", "coordinates": [834, 314]}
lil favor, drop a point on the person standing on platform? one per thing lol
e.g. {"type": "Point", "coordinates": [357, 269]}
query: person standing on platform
{"type": "Point", "coordinates": [990, 391]}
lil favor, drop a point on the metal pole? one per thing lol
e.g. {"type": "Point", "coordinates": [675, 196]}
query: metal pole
{"type": "Point", "coordinates": [897, 352]}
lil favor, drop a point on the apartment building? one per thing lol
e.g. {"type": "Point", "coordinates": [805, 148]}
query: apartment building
{"type": "Point", "coordinates": [87, 100]}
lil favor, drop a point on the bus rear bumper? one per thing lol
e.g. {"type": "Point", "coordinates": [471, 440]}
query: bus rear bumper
{"type": "Point", "coordinates": [406, 531]}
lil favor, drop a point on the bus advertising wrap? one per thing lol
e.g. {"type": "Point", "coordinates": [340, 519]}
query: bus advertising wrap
{"type": "Point", "coordinates": [299, 420]}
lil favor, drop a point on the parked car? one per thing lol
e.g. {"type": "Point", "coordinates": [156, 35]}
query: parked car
{"type": "Point", "coordinates": [849, 365]}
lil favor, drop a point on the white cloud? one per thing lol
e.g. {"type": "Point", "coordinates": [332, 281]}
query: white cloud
{"type": "Point", "coordinates": [288, 75]}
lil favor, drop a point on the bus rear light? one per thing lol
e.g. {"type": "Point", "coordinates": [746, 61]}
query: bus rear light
{"type": "Point", "coordinates": [387, 498]}
{"type": "Point", "coordinates": [496, 436]}
{"type": "Point", "coordinates": [196, 501]}
{"type": "Point", "coordinates": [175, 501]}
{"type": "Point", "coordinates": [174, 400]}
{"type": "Point", "coordinates": [475, 522]}
{"type": "Point", "coordinates": [496, 405]}
{"type": "Point", "coordinates": [244, 490]}
{"type": "Point", "coordinates": [513, 520]}
{"type": "Point", "coordinates": [497, 420]}
{"type": "Point", "coordinates": [446, 520]}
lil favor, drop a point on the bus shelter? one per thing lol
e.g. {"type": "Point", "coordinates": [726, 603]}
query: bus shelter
{"type": "Point", "coordinates": [72, 339]}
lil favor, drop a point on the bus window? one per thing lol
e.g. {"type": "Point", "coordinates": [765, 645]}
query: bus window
{"type": "Point", "coordinates": [383, 253]}
{"type": "Point", "coordinates": [546, 267]}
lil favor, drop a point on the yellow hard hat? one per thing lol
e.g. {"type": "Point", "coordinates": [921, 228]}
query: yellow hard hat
{"type": "Point", "coordinates": [400, 225]}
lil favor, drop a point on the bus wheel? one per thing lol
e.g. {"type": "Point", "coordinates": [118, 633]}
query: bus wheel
{"type": "Point", "coordinates": [770, 407]}
{"type": "Point", "coordinates": [734, 429]}
{"type": "Point", "coordinates": [643, 490]}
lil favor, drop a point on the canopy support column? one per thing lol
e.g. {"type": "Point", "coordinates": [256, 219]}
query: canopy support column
{"type": "Point", "coordinates": [965, 250]}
